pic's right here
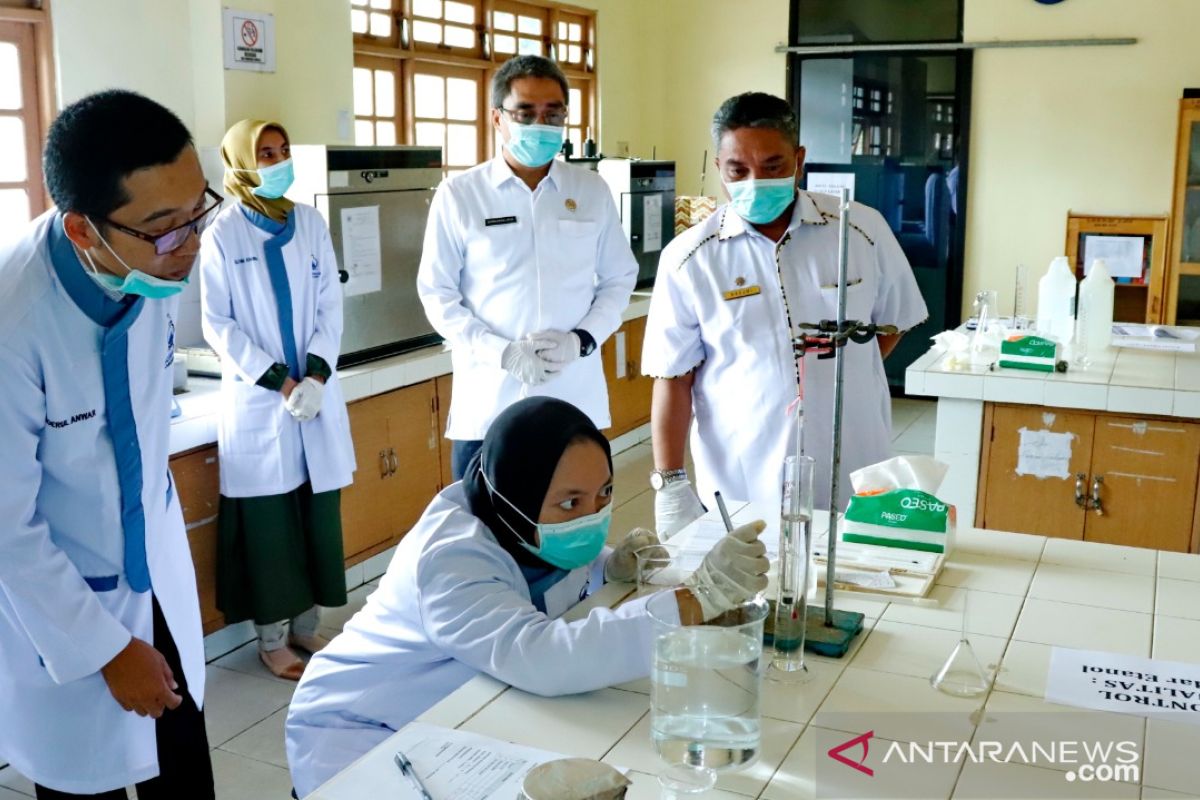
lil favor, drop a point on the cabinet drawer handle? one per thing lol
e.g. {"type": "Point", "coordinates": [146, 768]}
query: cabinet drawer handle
{"type": "Point", "coordinates": [395, 463]}
{"type": "Point", "coordinates": [383, 464]}
{"type": "Point", "coordinates": [1080, 490]}
{"type": "Point", "coordinates": [1097, 482]}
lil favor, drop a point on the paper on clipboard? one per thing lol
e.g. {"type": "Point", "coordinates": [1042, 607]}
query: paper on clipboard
{"type": "Point", "coordinates": [652, 211]}
{"type": "Point", "coordinates": [362, 251]}
{"type": "Point", "coordinates": [1122, 254]}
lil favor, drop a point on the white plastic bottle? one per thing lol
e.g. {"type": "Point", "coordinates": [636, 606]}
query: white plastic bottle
{"type": "Point", "coordinates": [1096, 292]}
{"type": "Point", "coordinates": [1056, 301]}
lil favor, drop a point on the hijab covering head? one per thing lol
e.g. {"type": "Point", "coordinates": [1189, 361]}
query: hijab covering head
{"type": "Point", "coordinates": [520, 452]}
{"type": "Point", "coordinates": [239, 151]}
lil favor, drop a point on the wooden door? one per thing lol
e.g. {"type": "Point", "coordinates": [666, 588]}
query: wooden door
{"type": "Point", "coordinates": [1014, 497]}
{"type": "Point", "coordinates": [413, 434]}
{"type": "Point", "coordinates": [197, 482]}
{"type": "Point", "coordinates": [364, 502]}
{"type": "Point", "coordinates": [1147, 482]}
{"type": "Point", "coordinates": [444, 386]}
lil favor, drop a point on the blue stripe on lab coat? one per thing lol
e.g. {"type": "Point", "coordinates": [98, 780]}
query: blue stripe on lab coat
{"type": "Point", "coordinates": [281, 234]}
{"type": "Point", "coordinates": [116, 316]}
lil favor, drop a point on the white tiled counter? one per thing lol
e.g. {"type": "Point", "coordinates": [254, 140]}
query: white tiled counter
{"type": "Point", "coordinates": [1022, 596]}
{"type": "Point", "coordinates": [196, 426]}
{"type": "Point", "coordinates": [1126, 381]}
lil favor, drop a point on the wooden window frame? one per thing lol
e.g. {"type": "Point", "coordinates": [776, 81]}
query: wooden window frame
{"type": "Point", "coordinates": [36, 53]}
{"type": "Point", "coordinates": [482, 121]}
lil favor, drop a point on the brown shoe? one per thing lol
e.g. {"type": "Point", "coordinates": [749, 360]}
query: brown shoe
{"type": "Point", "coordinates": [283, 663]}
{"type": "Point", "coordinates": [310, 644]}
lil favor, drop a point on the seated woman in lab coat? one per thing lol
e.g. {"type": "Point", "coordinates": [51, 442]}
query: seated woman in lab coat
{"type": "Point", "coordinates": [479, 584]}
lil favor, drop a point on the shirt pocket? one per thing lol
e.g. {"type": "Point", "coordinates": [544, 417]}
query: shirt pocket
{"type": "Point", "coordinates": [859, 300]}
{"type": "Point", "coordinates": [572, 255]}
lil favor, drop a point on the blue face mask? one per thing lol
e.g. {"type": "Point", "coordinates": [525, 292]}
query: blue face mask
{"type": "Point", "coordinates": [275, 180]}
{"type": "Point", "coordinates": [135, 282]}
{"type": "Point", "coordinates": [534, 145]}
{"type": "Point", "coordinates": [566, 545]}
{"type": "Point", "coordinates": [761, 200]}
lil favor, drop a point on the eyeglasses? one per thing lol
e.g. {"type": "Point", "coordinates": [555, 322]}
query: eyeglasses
{"type": "Point", "coordinates": [174, 239]}
{"type": "Point", "coordinates": [528, 116]}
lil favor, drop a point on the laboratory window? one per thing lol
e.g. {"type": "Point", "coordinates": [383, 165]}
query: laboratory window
{"type": "Point", "coordinates": [448, 104]}
{"type": "Point", "coordinates": [376, 101]}
{"type": "Point", "coordinates": [21, 194]}
{"type": "Point", "coordinates": [375, 20]}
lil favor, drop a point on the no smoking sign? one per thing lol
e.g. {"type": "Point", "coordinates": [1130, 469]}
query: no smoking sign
{"type": "Point", "coordinates": [249, 40]}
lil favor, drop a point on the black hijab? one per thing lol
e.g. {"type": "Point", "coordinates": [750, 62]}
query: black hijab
{"type": "Point", "coordinates": [520, 452]}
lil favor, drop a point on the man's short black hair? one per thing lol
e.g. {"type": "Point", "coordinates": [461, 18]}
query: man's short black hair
{"type": "Point", "coordinates": [525, 67]}
{"type": "Point", "coordinates": [99, 140]}
{"type": "Point", "coordinates": [756, 110]}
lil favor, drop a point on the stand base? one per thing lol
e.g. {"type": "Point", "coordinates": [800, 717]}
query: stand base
{"type": "Point", "coordinates": [832, 641]}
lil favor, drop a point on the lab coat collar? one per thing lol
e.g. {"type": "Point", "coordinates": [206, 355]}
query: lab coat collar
{"type": "Point", "coordinates": [804, 212]}
{"type": "Point", "coordinates": [263, 222]}
{"type": "Point", "coordinates": [500, 171]}
{"type": "Point", "coordinates": [86, 294]}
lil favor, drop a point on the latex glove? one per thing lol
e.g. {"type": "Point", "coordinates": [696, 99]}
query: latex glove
{"type": "Point", "coordinates": [622, 563]}
{"type": "Point", "coordinates": [524, 362]}
{"type": "Point", "coordinates": [305, 400]}
{"type": "Point", "coordinates": [565, 347]}
{"type": "Point", "coordinates": [734, 571]}
{"type": "Point", "coordinates": [676, 505]}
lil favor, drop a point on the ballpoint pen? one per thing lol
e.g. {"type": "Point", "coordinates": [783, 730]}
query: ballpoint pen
{"type": "Point", "coordinates": [724, 512]}
{"type": "Point", "coordinates": [406, 768]}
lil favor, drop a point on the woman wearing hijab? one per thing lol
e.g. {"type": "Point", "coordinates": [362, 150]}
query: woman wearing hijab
{"type": "Point", "coordinates": [272, 310]}
{"type": "Point", "coordinates": [479, 586]}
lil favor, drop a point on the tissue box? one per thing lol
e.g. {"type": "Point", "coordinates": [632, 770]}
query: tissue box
{"type": "Point", "coordinates": [1029, 352]}
{"type": "Point", "coordinates": [904, 518]}
{"type": "Point", "coordinates": [691, 211]}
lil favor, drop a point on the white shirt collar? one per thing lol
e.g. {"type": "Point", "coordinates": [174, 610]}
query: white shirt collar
{"type": "Point", "coordinates": [804, 212]}
{"type": "Point", "coordinates": [500, 172]}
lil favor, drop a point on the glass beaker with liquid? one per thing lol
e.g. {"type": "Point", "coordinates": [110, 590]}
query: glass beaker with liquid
{"type": "Point", "coordinates": [705, 689]}
{"type": "Point", "coordinates": [792, 571]}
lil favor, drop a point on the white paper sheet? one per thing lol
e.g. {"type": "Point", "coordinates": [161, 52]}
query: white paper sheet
{"type": "Point", "coordinates": [1143, 687]}
{"type": "Point", "coordinates": [362, 253]}
{"type": "Point", "coordinates": [652, 212]}
{"type": "Point", "coordinates": [1044, 454]}
{"type": "Point", "coordinates": [830, 183]}
{"type": "Point", "coordinates": [622, 355]}
{"type": "Point", "coordinates": [1122, 254]}
{"type": "Point", "coordinates": [462, 765]}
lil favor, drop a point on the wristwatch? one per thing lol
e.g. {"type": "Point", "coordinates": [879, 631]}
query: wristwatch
{"type": "Point", "coordinates": [661, 477]}
{"type": "Point", "coordinates": [587, 344]}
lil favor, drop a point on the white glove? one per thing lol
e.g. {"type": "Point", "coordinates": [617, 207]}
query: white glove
{"type": "Point", "coordinates": [622, 563]}
{"type": "Point", "coordinates": [676, 505]}
{"type": "Point", "coordinates": [565, 347]}
{"type": "Point", "coordinates": [523, 361]}
{"type": "Point", "coordinates": [734, 571]}
{"type": "Point", "coordinates": [305, 400]}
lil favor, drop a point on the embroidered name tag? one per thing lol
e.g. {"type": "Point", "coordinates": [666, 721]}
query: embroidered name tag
{"type": "Point", "coordinates": [490, 221]}
{"type": "Point", "coordinates": [745, 291]}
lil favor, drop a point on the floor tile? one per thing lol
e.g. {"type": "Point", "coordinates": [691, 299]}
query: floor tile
{"type": "Point", "coordinates": [240, 778]}
{"type": "Point", "coordinates": [989, 613]}
{"type": "Point", "coordinates": [918, 651]}
{"type": "Point", "coordinates": [636, 751]}
{"type": "Point", "coordinates": [1177, 639]}
{"type": "Point", "coordinates": [1024, 669]}
{"type": "Point", "coordinates": [1095, 555]}
{"type": "Point", "coordinates": [805, 765]}
{"type": "Point", "coordinates": [246, 661]}
{"type": "Point", "coordinates": [1084, 627]}
{"type": "Point", "coordinates": [582, 725]}
{"type": "Point", "coordinates": [919, 436]}
{"type": "Point", "coordinates": [1171, 761]}
{"type": "Point", "coordinates": [637, 512]}
{"type": "Point", "coordinates": [631, 472]}
{"type": "Point", "coordinates": [898, 707]}
{"type": "Point", "coordinates": [992, 781]}
{"type": "Point", "coordinates": [235, 702]}
{"type": "Point", "coordinates": [1093, 587]}
{"type": "Point", "coordinates": [1018, 546]}
{"type": "Point", "coordinates": [1012, 718]}
{"type": "Point", "coordinates": [1181, 566]}
{"type": "Point", "coordinates": [987, 573]}
{"type": "Point", "coordinates": [263, 742]}
{"type": "Point", "coordinates": [1178, 598]}
{"type": "Point", "coordinates": [336, 618]}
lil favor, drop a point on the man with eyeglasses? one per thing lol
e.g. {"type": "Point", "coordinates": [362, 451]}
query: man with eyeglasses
{"type": "Point", "coordinates": [525, 269]}
{"type": "Point", "coordinates": [101, 651]}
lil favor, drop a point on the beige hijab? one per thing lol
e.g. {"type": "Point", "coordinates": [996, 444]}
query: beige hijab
{"type": "Point", "coordinates": [239, 151]}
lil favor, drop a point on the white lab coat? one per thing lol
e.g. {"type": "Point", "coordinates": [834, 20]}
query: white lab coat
{"type": "Point", "coordinates": [500, 262]}
{"type": "Point", "coordinates": [453, 604]}
{"type": "Point", "coordinates": [263, 449]}
{"type": "Point", "coordinates": [61, 531]}
{"type": "Point", "coordinates": [740, 347]}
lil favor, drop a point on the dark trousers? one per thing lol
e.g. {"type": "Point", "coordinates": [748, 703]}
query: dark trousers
{"type": "Point", "coordinates": [461, 453]}
{"type": "Point", "coordinates": [184, 767]}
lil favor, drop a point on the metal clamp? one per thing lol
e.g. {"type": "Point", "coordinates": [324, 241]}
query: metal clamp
{"type": "Point", "coordinates": [1081, 499]}
{"type": "Point", "coordinates": [1097, 505]}
{"type": "Point", "coordinates": [830, 335]}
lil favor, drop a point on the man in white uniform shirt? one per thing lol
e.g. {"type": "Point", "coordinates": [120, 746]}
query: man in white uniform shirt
{"type": "Point", "coordinates": [525, 269]}
{"type": "Point", "coordinates": [728, 300]}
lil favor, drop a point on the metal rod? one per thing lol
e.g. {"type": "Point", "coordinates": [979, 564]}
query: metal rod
{"type": "Point", "coordinates": [993, 44]}
{"type": "Point", "coordinates": [839, 363]}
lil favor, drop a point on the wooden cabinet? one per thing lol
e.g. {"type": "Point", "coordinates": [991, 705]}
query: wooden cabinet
{"type": "Point", "coordinates": [1183, 277]}
{"type": "Point", "coordinates": [197, 481]}
{"type": "Point", "coordinates": [628, 390]}
{"type": "Point", "coordinates": [1127, 480]}
{"type": "Point", "coordinates": [445, 386]}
